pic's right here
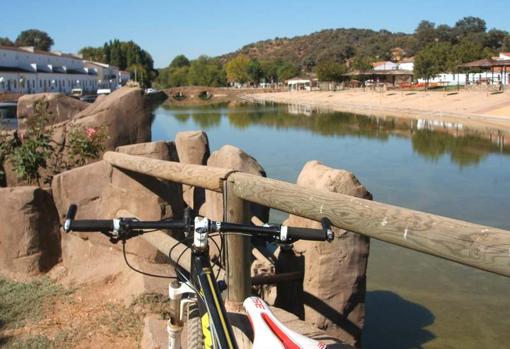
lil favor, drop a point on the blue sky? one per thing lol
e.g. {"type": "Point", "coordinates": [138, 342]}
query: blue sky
{"type": "Point", "coordinates": [166, 28]}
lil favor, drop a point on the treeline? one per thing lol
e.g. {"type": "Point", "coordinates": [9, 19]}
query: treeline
{"type": "Point", "coordinates": [32, 37]}
{"type": "Point", "coordinates": [126, 55]}
{"type": "Point", "coordinates": [444, 48]}
{"type": "Point", "coordinates": [208, 71]}
{"type": "Point", "coordinates": [332, 53]}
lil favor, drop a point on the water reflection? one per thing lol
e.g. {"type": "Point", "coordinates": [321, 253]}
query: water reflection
{"type": "Point", "coordinates": [429, 138]}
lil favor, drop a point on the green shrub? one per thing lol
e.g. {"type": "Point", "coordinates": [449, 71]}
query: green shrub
{"type": "Point", "coordinates": [86, 144]}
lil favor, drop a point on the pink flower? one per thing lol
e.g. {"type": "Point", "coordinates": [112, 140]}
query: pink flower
{"type": "Point", "coordinates": [90, 133]}
{"type": "Point", "coordinates": [21, 135]}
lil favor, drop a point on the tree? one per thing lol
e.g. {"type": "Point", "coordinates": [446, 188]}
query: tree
{"type": "Point", "coordinates": [432, 60]}
{"type": "Point", "coordinates": [362, 63]}
{"type": "Point", "coordinates": [495, 38]}
{"type": "Point", "coordinates": [445, 33]}
{"type": "Point", "coordinates": [255, 71]}
{"type": "Point", "coordinates": [95, 54]}
{"type": "Point", "coordinates": [206, 71]}
{"type": "Point", "coordinates": [425, 34]}
{"type": "Point", "coordinates": [330, 71]}
{"type": "Point", "coordinates": [6, 42]}
{"type": "Point", "coordinates": [286, 71]}
{"type": "Point", "coordinates": [238, 69]}
{"type": "Point", "coordinates": [463, 52]}
{"type": "Point", "coordinates": [179, 62]}
{"type": "Point", "coordinates": [36, 38]}
{"type": "Point", "coordinates": [269, 70]}
{"type": "Point", "coordinates": [470, 24]}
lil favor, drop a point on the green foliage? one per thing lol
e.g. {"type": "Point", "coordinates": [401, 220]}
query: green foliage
{"type": "Point", "coordinates": [35, 149]}
{"type": "Point", "coordinates": [469, 25]}
{"type": "Point", "coordinates": [237, 69]}
{"type": "Point", "coordinates": [206, 71]}
{"type": "Point", "coordinates": [432, 60]}
{"type": "Point", "coordinates": [362, 63]}
{"type": "Point", "coordinates": [339, 45]}
{"type": "Point", "coordinates": [5, 41]}
{"type": "Point", "coordinates": [179, 61]}
{"type": "Point", "coordinates": [286, 71]}
{"type": "Point", "coordinates": [330, 71]}
{"type": "Point", "coordinates": [36, 38]}
{"type": "Point", "coordinates": [86, 144]}
{"type": "Point", "coordinates": [7, 144]}
{"type": "Point", "coordinates": [255, 71]}
{"type": "Point", "coordinates": [126, 55]}
{"type": "Point", "coordinates": [95, 54]}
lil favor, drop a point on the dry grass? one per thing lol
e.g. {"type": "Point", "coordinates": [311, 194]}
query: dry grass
{"type": "Point", "coordinates": [41, 314]}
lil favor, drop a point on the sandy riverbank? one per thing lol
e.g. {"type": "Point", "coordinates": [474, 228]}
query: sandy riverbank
{"type": "Point", "coordinates": [471, 108]}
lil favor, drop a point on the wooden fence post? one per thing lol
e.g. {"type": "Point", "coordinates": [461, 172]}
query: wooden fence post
{"type": "Point", "coordinates": [237, 251]}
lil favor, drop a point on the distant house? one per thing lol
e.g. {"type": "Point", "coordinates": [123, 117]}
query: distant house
{"type": "Point", "coordinates": [503, 56]}
{"type": "Point", "coordinates": [302, 83]}
{"type": "Point", "coordinates": [404, 64]}
{"type": "Point", "coordinates": [28, 70]}
{"type": "Point", "coordinates": [385, 65]}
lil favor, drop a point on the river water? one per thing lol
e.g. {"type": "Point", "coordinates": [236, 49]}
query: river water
{"type": "Point", "coordinates": [413, 300]}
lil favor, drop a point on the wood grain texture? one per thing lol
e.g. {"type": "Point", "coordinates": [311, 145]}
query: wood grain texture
{"type": "Point", "coordinates": [238, 249]}
{"type": "Point", "coordinates": [201, 176]}
{"type": "Point", "coordinates": [475, 245]}
{"type": "Point", "coordinates": [482, 247]}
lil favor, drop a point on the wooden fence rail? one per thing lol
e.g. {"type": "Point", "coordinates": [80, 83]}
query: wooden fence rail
{"type": "Point", "coordinates": [482, 247]}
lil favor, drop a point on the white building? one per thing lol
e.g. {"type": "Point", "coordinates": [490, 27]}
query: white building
{"type": "Point", "coordinates": [26, 70]}
{"type": "Point", "coordinates": [404, 64]}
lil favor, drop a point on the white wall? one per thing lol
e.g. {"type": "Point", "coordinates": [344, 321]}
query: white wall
{"type": "Point", "coordinates": [32, 81]}
{"type": "Point", "coordinates": [46, 82]}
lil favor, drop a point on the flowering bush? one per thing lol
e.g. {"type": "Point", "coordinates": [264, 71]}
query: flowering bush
{"type": "Point", "coordinates": [32, 148]}
{"type": "Point", "coordinates": [86, 143]}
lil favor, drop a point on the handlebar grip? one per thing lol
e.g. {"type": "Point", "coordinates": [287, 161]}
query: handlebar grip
{"type": "Point", "coordinates": [306, 234]}
{"type": "Point", "coordinates": [71, 212]}
{"type": "Point", "coordinates": [86, 225]}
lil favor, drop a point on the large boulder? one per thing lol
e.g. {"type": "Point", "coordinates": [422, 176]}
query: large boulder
{"type": "Point", "coordinates": [29, 233]}
{"type": "Point", "coordinates": [233, 158]}
{"type": "Point", "coordinates": [122, 113]}
{"type": "Point", "coordinates": [59, 107]}
{"type": "Point", "coordinates": [193, 148]}
{"type": "Point", "coordinates": [334, 273]}
{"type": "Point", "coordinates": [144, 196]}
{"type": "Point", "coordinates": [83, 186]}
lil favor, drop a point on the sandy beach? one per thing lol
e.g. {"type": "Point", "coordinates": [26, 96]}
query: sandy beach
{"type": "Point", "coordinates": [471, 108]}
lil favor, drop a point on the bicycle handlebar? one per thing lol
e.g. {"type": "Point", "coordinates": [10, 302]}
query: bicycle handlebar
{"type": "Point", "coordinates": [125, 228]}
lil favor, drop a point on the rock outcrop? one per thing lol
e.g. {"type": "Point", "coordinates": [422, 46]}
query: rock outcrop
{"type": "Point", "coordinates": [59, 107]}
{"type": "Point", "coordinates": [83, 186]}
{"type": "Point", "coordinates": [234, 158]}
{"type": "Point", "coordinates": [334, 273]}
{"type": "Point", "coordinates": [143, 196]}
{"type": "Point", "coordinates": [122, 113]}
{"type": "Point", "coordinates": [102, 192]}
{"type": "Point", "coordinates": [193, 148]}
{"type": "Point", "coordinates": [29, 233]}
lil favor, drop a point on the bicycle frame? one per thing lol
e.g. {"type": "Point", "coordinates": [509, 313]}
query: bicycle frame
{"type": "Point", "coordinates": [216, 329]}
{"type": "Point", "coordinates": [215, 323]}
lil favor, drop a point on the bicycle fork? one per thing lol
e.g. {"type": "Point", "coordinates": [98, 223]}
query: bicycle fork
{"type": "Point", "coordinates": [178, 308]}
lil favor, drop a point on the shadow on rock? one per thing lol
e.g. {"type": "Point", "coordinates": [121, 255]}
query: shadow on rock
{"type": "Point", "coordinates": [394, 323]}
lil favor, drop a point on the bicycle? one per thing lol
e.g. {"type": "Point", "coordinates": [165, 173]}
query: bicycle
{"type": "Point", "coordinates": [195, 297]}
